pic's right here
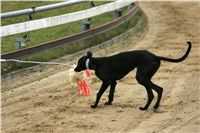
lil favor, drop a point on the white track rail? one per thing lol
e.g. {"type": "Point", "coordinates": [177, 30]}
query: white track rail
{"type": "Point", "coordinates": [62, 19]}
{"type": "Point", "coordinates": [39, 9]}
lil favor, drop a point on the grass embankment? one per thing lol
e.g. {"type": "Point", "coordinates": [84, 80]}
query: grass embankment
{"type": "Point", "coordinates": [46, 34]}
{"type": "Point", "coordinates": [55, 53]}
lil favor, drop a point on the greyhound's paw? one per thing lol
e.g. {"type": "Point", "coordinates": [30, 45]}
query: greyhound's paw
{"type": "Point", "coordinates": [108, 103]}
{"type": "Point", "coordinates": [93, 106]}
{"type": "Point", "coordinates": [143, 109]}
{"type": "Point", "coordinates": [156, 106]}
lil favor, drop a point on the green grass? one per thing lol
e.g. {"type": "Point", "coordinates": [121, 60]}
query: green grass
{"type": "Point", "coordinates": [8, 6]}
{"type": "Point", "coordinates": [48, 34]}
{"type": "Point", "coordinates": [55, 53]}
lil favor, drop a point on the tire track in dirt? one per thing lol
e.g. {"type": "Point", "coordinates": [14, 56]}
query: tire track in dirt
{"type": "Point", "coordinates": [50, 104]}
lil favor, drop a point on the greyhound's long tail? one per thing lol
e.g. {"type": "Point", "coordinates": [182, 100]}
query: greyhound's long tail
{"type": "Point", "coordinates": [179, 59]}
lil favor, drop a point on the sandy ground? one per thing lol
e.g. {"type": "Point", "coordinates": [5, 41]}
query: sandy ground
{"type": "Point", "coordinates": [49, 104]}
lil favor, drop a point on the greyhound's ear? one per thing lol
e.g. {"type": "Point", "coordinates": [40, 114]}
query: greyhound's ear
{"type": "Point", "coordinates": [89, 54]}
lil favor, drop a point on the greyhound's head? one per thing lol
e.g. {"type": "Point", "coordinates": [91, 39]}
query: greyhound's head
{"type": "Point", "coordinates": [83, 62]}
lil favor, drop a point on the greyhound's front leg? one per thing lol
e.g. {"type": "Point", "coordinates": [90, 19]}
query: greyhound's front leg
{"type": "Point", "coordinates": [111, 94]}
{"type": "Point", "coordinates": [104, 86]}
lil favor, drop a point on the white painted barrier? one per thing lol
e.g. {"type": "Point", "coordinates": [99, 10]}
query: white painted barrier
{"type": "Point", "coordinates": [62, 19]}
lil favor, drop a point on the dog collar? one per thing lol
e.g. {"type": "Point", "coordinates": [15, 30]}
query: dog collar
{"type": "Point", "coordinates": [87, 63]}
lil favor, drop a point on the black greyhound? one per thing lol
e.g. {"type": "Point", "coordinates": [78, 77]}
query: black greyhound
{"type": "Point", "coordinates": [112, 68]}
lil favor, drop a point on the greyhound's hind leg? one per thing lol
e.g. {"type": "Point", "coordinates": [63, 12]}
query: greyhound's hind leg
{"type": "Point", "coordinates": [159, 90]}
{"type": "Point", "coordinates": [144, 82]}
{"type": "Point", "coordinates": [143, 76]}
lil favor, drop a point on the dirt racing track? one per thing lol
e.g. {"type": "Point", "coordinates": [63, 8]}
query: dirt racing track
{"type": "Point", "coordinates": [44, 101]}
